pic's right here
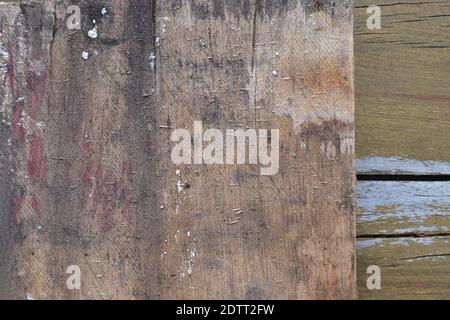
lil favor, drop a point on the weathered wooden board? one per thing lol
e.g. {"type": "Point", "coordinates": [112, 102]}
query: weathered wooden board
{"type": "Point", "coordinates": [411, 268]}
{"type": "Point", "coordinates": [87, 177]}
{"type": "Point", "coordinates": [395, 208]}
{"type": "Point", "coordinates": [403, 124]}
{"type": "Point", "coordinates": [404, 228]}
{"type": "Point", "coordinates": [372, 166]}
{"type": "Point", "coordinates": [402, 87]}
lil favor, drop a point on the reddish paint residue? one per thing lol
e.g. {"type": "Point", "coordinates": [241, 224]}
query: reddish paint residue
{"type": "Point", "coordinates": [90, 103]}
{"type": "Point", "coordinates": [123, 173]}
{"type": "Point", "coordinates": [126, 206]}
{"type": "Point", "coordinates": [16, 206]}
{"type": "Point", "coordinates": [97, 190]}
{"type": "Point", "coordinates": [17, 125]}
{"type": "Point", "coordinates": [37, 167]}
{"type": "Point", "coordinates": [10, 72]}
{"type": "Point", "coordinates": [109, 201]}
{"type": "Point", "coordinates": [35, 205]}
{"type": "Point", "coordinates": [86, 147]}
{"type": "Point", "coordinates": [36, 89]}
{"type": "Point", "coordinates": [107, 193]}
{"type": "Point", "coordinates": [86, 179]}
{"type": "Point", "coordinates": [123, 193]}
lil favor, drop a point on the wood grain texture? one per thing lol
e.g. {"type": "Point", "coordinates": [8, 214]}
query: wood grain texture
{"type": "Point", "coordinates": [411, 268]}
{"type": "Point", "coordinates": [402, 83]}
{"type": "Point", "coordinates": [88, 177]}
{"type": "Point", "coordinates": [404, 227]}
{"type": "Point", "coordinates": [396, 208]}
{"type": "Point", "coordinates": [373, 166]}
{"type": "Point", "coordinates": [402, 116]}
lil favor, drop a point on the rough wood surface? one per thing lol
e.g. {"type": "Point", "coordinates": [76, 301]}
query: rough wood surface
{"type": "Point", "coordinates": [402, 84]}
{"type": "Point", "coordinates": [391, 208]}
{"type": "Point", "coordinates": [403, 123]}
{"type": "Point", "coordinates": [411, 268]}
{"type": "Point", "coordinates": [404, 227]}
{"type": "Point", "coordinates": [87, 178]}
{"type": "Point", "coordinates": [373, 166]}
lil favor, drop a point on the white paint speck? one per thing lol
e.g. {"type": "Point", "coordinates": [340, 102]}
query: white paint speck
{"type": "Point", "coordinates": [4, 57]}
{"type": "Point", "coordinates": [189, 260]}
{"type": "Point", "coordinates": [93, 33]}
{"type": "Point", "coordinates": [157, 42]}
{"type": "Point", "coordinates": [85, 55]}
{"type": "Point", "coordinates": [178, 173]}
{"type": "Point", "coordinates": [275, 72]}
{"type": "Point", "coordinates": [40, 124]}
{"type": "Point", "coordinates": [104, 11]}
{"type": "Point", "coordinates": [180, 186]}
{"type": "Point", "coordinates": [152, 61]}
{"type": "Point", "coordinates": [30, 297]}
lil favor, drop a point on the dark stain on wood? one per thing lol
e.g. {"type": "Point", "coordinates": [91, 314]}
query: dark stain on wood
{"type": "Point", "coordinates": [94, 185]}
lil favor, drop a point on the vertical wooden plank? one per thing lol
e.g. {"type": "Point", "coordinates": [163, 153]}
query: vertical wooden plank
{"type": "Point", "coordinates": [110, 199]}
{"type": "Point", "coordinates": [26, 35]}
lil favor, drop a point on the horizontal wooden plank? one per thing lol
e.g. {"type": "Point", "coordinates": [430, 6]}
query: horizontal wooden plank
{"type": "Point", "coordinates": [402, 83]}
{"type": "Point", "coordinates": [399, 208]}
{"type": "Point", "coordinates": [400, 166]}
{"type": "Point", "coordinates": [411, 268]}
{"type": "Point", "coordinates": [403, 227]}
